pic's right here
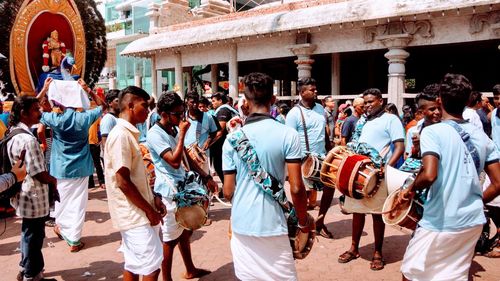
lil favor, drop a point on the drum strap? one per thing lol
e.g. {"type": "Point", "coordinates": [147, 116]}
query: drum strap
{"type": "Point", "coordinates": [262, 179]}
{"type": "Point", "coordinates": [468, 143]}
{"type": "Point", "coordinates": [305, 127]}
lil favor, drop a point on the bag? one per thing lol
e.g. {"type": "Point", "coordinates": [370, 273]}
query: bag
{"type": "Point", "coordinates": [6, 166]}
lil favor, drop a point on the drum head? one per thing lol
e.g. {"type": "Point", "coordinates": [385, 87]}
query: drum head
{"type": "Point", "coordinates": [398, 212]}
{"type": "Point", "coordinates": [308, 167]}
{"type": "Point", "coordinates": [192, 217]}
{"type": "Point", "coordinates": [303, 242]}
{"type": "Point", "coordinates": [370, 183]}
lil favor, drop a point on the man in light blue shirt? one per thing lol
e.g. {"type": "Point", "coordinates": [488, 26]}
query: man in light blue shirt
{"type": "Point", "coordinates": [203, 126]}
{"type": "Point", "coordinates": [72, 166]}
{"type": "Point", "coordinates": [259, 242]}
{"type": "Point", "coordinates": [443, 246]}
{"type": "Point", "coordinates": [380, 131]}
{"type": "Point", "coordinates": [166, 145]}
{"type": "Point", "coordinates": [108, 121]}
{"type": "Point", "coordinates": [495, 116]}
{"type": "Point", "coordinates": [317, 142]}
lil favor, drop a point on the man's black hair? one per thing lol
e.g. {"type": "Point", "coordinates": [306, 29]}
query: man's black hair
{"type": "Point", "coordinates": [305, 82]}
{"type": "Point", "coordinates": [372, 91]}
{"type": "Point", "coordinates": [496, 90]}
{"type": "Point", "coordinates": [111, 95]}
{"type": "Point", "coordinates": [474, 98]}
{"type": "Point", "coordinates": [221, 97]}
{"type": "Point", "coordinates": [21, 103]}
{"type": "Point", "coordinates": [454, 91]}
{"type": "Point", "coordinates": [205, 101]}
{"type": "Point", "coordinates": [168, 101]}
{"type": "Point", "coordinates": [429, 93]}
{"type": "Point", "coordinates": [258, 88]}
{"type": "Point", "coordinates": [132, 90]}
{"type": "Point", "coordinates": [193, 95]}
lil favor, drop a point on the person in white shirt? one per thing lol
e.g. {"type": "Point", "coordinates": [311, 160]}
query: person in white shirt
{"type": "Point", "coordinates": [475, 102]}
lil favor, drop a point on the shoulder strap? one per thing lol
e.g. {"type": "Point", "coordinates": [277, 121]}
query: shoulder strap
{"type": "Point", "coordinates": [6, 165]}
{"type": "Point", "coordinates": [468, 143]}
{"type": "Point", "coordinates": [262, 179]}
{"type": "Point", "coordinates": [305, 128]}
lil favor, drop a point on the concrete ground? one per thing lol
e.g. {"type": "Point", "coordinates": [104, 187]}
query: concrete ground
{"type": "Point", "coordinates": [99, 260]}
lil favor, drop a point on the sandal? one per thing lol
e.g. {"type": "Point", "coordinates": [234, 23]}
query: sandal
{"type": "Point", "coordinates": [323, 232]}
{"type": "Point", "coordinates": [377, 263]}
{"type": "Point", "coordinates": [348, 256]}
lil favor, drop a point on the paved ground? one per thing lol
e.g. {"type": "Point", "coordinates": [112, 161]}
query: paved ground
{"type": "Point", "coordinates": [99, 260]}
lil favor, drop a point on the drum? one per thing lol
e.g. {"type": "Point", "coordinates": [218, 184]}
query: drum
{"type": "Point", "coordinates": [331, 164]}
{"type": "Point", "coordinates": [311, 167]}
{"type": "Point", "coordinates": [301, 242]}
{"type": "Point", "coordinates": [352, 174]}
{"type": "Point", "coordinates": [198, 157]}
{"type": "Point", "coordinates": [406, 214]}
{"type": "Point", "coordinates": [148, 163]}
{"type": "Point", "coordinates": [192, 201]}
{"type": "Point", "coordinates": [192, 217]}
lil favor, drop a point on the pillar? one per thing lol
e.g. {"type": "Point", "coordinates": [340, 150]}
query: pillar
{"type": "Point", "coordinates": [179, 83]}
{"type": "Point", "coordinates": [189, 78]}
{"type": "Point", "coordinates": [214, 77]}
{"type": "Point", "coordinates": [154, 78]}
{"type": "Point", "coordinates": [303, 61]}
{"type": "Point", "coordinates": [112, 83]}
{"type": "Point", "coordinates": [336, 74]}
{"type": "Point", "coordinates": [396, 58]}
{"type": "Point", "coordinates": [233, 71]}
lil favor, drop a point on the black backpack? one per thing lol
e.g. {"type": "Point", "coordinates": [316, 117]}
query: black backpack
{"type": "Point", "coordinates": [6, 166]}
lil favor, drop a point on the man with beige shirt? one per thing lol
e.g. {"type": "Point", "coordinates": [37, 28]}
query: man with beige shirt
{"type": "Point", "coordinates": [133, 207]}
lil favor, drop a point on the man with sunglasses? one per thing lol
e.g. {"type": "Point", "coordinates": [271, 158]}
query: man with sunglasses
{"type": "Point", "coordinates": [166, 144]}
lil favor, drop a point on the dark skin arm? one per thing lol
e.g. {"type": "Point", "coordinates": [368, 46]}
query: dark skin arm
{"type": "Point", "coordinates": [399, 149]}
{"type": "Point", "coordinates": [132, 193]}
{"type": "Point", "coordinates": [210, 140]}
{"type": "Point", "coordinates": [91, 93]}
{"type": "Point", "coordinates": [221, 132]}
{"type": "Point", "coordinates": [299, 196]}
{"type": "Point", "coordinates": [328, 145]}
{"type": "Point", "coordinates": [46, 178]}
{"type": "Point", "coordinates": [493, 190]}
{"type": "Point", "coordinates": [206, 178]}
{"type": "Point", "coordinates": [174, 158]}
{"type": "Point", "coordinates": [425, 178]}
{"type": "Point", "coordinates": [229, 185]}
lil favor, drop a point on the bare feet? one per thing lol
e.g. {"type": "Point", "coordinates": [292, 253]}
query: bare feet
{"type": "Point", "coordinates": [197, 273]}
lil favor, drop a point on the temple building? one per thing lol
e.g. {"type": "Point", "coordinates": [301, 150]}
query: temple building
{"type": "Point", "coordinates": [346, 45]}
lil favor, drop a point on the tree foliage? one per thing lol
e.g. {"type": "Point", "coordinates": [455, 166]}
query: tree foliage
{"type": "Point", "coordinates": [95, 37]}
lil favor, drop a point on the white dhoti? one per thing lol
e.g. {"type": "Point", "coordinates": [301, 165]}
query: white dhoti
{"type": "Point", "coordinates": [440, 256]}
{"type": "Point", "coordinates": [263, 258]}
{"type": "Point", "coordinates": [170, 229]}
{"type": "Point", "coordinates": [142, 249]}
{"type": "Point", "coordinates": [70, 211]}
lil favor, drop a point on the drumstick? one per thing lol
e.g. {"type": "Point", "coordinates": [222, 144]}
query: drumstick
{"type": "Point", "coordinates": [220, 201]}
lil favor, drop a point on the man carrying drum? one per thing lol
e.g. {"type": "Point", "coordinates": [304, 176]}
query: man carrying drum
{"type": "Point", "coordinates": [260, 244]}
{"type": "Point", "coordinates": [378, 130]}
{"type": "Point", "coordinates": [167, 148]}
{"type": "Point", "coordinates": [308, 119]}
{"type": "Point", "coordinates": [454, 152]}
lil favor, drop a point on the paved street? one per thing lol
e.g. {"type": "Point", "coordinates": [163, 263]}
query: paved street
{"type": "Point", "coordinates": [99, 260]}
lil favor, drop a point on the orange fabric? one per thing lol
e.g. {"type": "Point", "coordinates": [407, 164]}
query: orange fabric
{"type": "Point", "coordinates": [412, 123]}
{"type": "Point", "coordinates": [93, 132]}
{"type": "Point", "coordinates": [3, 128]}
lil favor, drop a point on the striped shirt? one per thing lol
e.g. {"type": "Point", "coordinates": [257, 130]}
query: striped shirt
{"type": "Point", "coordinates": [33, 200]}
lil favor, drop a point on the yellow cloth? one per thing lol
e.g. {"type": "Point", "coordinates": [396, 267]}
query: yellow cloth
{"type": "Point", "coordinates": [2, 129]}
{"type": "Point", "coordinates": [122, 150]}
{"type": "Point", "coordinates": [93, 132]}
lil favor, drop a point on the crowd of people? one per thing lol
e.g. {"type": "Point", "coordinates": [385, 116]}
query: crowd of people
{"type": "Point", "coordinates": [451, 130]}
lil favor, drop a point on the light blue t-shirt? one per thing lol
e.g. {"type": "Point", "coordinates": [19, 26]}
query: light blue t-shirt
{"type": "Point", "coordinates": [108, 121]}
{"type": "Point", "coordinates": [382, 131]}
{"type": "Point", "coordinates": [160, 142]}
{"type": "Point", "coordinates": [415, 129]}
{"type": "Point", "coordinates": [70, 155]}
{"type": "Point", "coordinates": [454, 201]}
{"type": "Point", "coordinates": [143, 129]}
{"type": "Point", "coordinates": [255, 213]}
{"type": "Point", "coordinates": [208, 127]}
{"type": "Point", "coordinates": [316, 126]}
{"type": "Point", "coordinates": [495, 128]}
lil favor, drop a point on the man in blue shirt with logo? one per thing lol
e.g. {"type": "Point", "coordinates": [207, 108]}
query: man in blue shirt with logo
{"type": "Point", "coordinates": [72, 166]}
{"type": "Point", "coordinates": [259, 242]}
{"type": "Point", "coordinates": [314, 140]}
{"type": "Point", "coordinates": [443, 245]}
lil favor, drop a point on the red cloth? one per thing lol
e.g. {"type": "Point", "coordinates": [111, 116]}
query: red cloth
{"type": "Point", "coordinates": [345, 173]}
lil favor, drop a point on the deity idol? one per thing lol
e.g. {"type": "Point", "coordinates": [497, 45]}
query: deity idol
{"type": "Point", "coordinates": [53, 49]}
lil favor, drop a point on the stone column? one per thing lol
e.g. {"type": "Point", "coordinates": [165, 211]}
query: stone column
{"type": "Point", "coordinates": [153, 14]}
{"type": "Point", "coordinates": [179, 82]}
{"type": "Point", "coordinates": [214, 77]}
{"type": "Point", "coordinates": [154, 78]}
{"type": "Point", "coordinates": [189, 78]}
{"type": "Point", "coordinates": [233, 71]}
{"type": "Point", "coordinates": [112, 83]}
{"type": "Point", "coordinates": [138, 73]}
{"type": "Point", "coordinates": [303, 61]}
{"type": "Point", "coordinates": [397, 72]}
{"type": "Point", "coordinates": [336, 74]}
